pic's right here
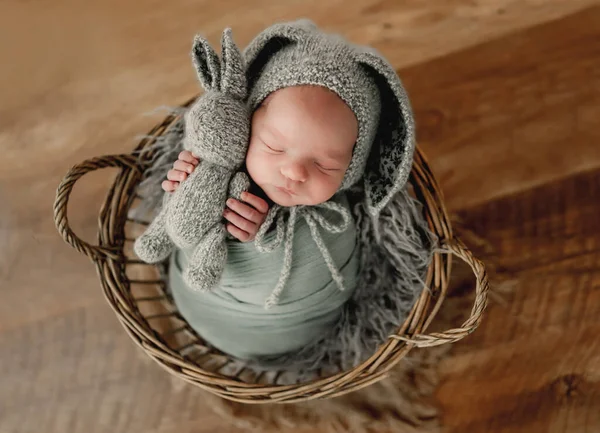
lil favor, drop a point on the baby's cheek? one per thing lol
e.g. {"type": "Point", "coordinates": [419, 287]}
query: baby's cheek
{"type": "Point", "coordinates": [257, 167]}
{"type": "Point", "coordinates": [325, 188]}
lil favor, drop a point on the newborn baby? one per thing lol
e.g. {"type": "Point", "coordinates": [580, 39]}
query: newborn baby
{"type": "Point", "coordinates": [301, 145]}
{"type": "Point", "coordinates": [328, 117]}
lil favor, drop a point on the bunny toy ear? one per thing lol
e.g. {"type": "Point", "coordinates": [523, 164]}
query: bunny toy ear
{"type": "Point", "coordinates": [206, 63]}
{"type": "Point", "coordinates": [233, 74]}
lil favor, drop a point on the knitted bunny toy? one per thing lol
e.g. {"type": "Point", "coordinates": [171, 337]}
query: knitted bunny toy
{"type": "Point", "coordinates": [217, 129]}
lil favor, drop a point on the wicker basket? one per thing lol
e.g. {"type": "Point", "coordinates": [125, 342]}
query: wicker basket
{"type": "Point", "coordinates": [148, 313]}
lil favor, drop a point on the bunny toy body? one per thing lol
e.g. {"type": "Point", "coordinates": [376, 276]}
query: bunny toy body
{"type": "Point", "coordinates": [217, 129]}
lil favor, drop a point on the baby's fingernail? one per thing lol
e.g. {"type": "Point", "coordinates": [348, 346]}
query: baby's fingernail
{"type": "Point", "coordinates": [229, 202]}
{"type": "Point", "coordinates": [244, 195]}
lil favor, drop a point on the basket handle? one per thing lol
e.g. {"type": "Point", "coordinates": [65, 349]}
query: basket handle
{"type": "Point", "coordinates": [62, 199]}
{"type": "Point", "coordinates": [456, 247]}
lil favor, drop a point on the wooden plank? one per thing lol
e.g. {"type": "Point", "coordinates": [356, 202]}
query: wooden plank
{"type": "Point", "coordinates": [513, 113]}
{"type": "Point", "coordinates": [534, 364]}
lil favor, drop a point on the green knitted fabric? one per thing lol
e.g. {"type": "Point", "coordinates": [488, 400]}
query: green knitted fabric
{"type": "Point", "coordinates": [232, 316]}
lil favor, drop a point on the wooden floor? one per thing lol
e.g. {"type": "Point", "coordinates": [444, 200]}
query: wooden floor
{"type": "Point", "coordinates": [507, 102]}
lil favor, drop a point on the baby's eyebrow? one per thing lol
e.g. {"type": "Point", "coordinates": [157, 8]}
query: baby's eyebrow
{"type": "Point", "coordinates": [272, 132]}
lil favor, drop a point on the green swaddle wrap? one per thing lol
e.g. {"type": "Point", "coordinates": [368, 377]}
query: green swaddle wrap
{"type": "Point", "coordinates": [233, 316]}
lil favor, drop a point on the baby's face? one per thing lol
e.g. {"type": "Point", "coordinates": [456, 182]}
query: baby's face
{"type": "Point", "coordinates": [301, 145]}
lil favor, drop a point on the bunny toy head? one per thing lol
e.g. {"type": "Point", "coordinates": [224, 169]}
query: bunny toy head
{"type": "Point", "coordinates": [209, 132]}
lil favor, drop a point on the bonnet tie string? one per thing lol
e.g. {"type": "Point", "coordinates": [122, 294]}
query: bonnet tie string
{"type": "Point", "coordinates": [285, 233]}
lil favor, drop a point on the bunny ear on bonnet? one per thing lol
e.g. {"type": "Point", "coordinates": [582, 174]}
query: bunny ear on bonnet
{"type": "Point", "coordinates": [206, 63]}
{"type": "Point", "coordinates": [391, 157]}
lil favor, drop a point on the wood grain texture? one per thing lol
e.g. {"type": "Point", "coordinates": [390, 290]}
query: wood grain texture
{"type": "Point", "coordinates": [523, 110]}
{"type": "Point", "coordinates": [534, 365]}
{"type": "Point", "coordinates": [516, 98]}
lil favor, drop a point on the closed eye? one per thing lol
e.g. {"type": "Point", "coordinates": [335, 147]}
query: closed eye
{"type": "Point", "coordinates": [331, 169]}
{"type": "Point", "coordinates": [272, 149]}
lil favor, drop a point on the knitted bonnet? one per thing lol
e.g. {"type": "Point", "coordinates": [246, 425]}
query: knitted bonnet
{"type": "Point", "coordinates": [298, 53]}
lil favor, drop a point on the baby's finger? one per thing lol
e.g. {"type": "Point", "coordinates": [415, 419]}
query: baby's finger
{"type": "Point", "coordinates": [187, 156]}
{"type": "Point", "coordinates": [183, 166]}
{"type": "Point", "coordinates": [258, 203]}
{"type": "Point", "coordinates": [245, 211]}
{"type": "Point", "coordinates": [176, 175]}
{"type": "Point", "coordinates": [169, 186]}
{"type": "Point", "coordinates": [239, 221]}
{"type": "Point", "coordinates": [237, 233]}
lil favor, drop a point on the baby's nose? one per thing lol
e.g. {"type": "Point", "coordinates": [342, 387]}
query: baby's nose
{"type": "Point", "coordinates": [295, 172]}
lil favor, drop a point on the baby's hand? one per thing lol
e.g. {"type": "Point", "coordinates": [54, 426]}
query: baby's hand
{"type": "Point", "coordinates": [184, 166]}
{"type": "Point", "coordinates": [245, 219]}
